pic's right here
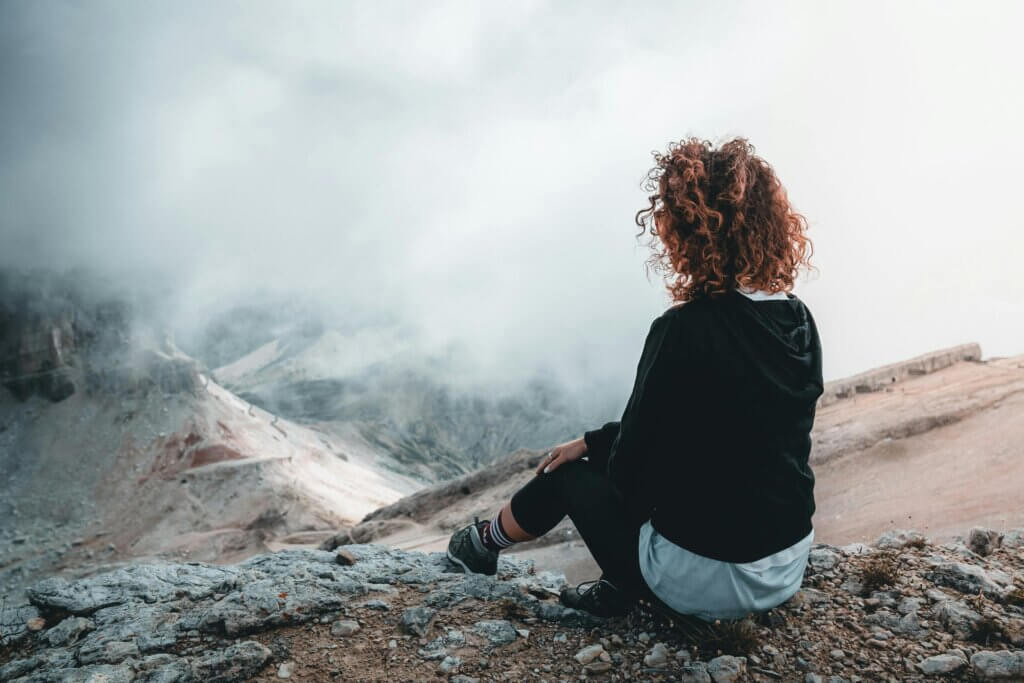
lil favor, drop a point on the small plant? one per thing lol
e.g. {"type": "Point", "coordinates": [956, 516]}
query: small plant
{"type": "Point", "coordinates": [918, 542]}
{"type": "Point", "coordinates": [878, 572]}
{"type": "Point", "coordinates": [511, 609]}
{"type": "Point", "coordinates": [733, 636]}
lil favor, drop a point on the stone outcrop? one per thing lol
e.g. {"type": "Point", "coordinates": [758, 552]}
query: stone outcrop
{"type": "Point", "coordinates": [901, 609]}
{"type": "Point", "coordinates": [878, 379]}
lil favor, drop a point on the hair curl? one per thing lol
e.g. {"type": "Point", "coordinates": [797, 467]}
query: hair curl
{"type": "Point", "coordinates": [724, 219]}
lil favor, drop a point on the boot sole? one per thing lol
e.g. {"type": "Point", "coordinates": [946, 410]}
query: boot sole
{"type": "Point", "coordinates": [455, 560]}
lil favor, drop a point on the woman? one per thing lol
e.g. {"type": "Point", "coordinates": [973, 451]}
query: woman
{"type": "Point", "coordinates": [701, 494]}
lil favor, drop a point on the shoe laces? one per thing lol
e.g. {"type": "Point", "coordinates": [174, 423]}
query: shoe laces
{"type": "Point", "coordinates": [592, 587]}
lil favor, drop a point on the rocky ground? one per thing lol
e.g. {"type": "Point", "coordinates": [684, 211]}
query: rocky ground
{"type": "Point", "coordinates": [902, 609]}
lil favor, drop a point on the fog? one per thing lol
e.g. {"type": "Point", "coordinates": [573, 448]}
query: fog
{"type": "Point", "coordinates": [470, 171]}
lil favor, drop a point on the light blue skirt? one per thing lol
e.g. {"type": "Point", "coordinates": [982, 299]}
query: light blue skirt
{"type": "Point", "coordinates": [711, 589]}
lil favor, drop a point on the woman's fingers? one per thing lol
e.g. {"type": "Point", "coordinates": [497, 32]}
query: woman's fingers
{"type": "Point", "coordinates": [555, 463]}
{"type": "Point", "coordinates": [547, 460]}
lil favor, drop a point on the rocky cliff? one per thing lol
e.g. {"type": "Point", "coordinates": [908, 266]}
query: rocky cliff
{"type": "Point", "coordinates": [902, 609]}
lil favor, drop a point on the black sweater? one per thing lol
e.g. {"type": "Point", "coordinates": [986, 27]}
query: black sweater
{"type": "Point", "coordinates": [715, 437]}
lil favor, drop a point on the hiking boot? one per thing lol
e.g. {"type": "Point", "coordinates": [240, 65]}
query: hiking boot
{"type": "Point", "coordinates": [600, 598]}
{"type": "Point", "coordinates": [467, 550]}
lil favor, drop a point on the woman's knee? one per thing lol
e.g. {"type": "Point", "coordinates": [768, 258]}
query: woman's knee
{"type": "Point", "coordinates": [543, 501]}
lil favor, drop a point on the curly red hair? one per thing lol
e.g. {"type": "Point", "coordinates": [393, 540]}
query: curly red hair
{"type": "Point", "coordinates": [720, 219]}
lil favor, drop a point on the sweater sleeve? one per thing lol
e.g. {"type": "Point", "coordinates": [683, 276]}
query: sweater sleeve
{"type": "Point", "coordinates": [646, 410]}
{"type": "Point", "coordinates": [599, 443]}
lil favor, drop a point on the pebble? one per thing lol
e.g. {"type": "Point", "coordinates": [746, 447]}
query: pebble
{"type": "Point", "coordinates": [497, 631]}
{"type": "Point", "coordinates": [449, 665]}
{"type": "Point", "coordinates": [286, 669]}
{"type": "Point", "coordinates": [727, 669]}
{"type": "Point", "coordinates": [597, 667]}
{"type": "Point", "coordinates": [416, 620]}
{"type": "Point", "coordinates": [589, 653]}
{"type": "Point", "coordinates": [344, 627]}
{"type": "Point", "coordinates": [941, 664]}
{"type": "Point", "coordinates": [657, 657]}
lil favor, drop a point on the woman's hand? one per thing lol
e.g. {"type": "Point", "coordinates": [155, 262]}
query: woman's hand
{"type": "Point", "coordinates": [561, 454]}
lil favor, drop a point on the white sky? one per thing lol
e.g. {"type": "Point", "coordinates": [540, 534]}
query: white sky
{"type": "Point", "coordinates": [473, 169]}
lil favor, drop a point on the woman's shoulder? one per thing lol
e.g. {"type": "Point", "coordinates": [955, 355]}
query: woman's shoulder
{"type": "Point", "coordinates": [689, 309]}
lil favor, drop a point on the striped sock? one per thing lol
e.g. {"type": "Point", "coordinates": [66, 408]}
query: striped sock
{"type": "Point", "coordinates": [493, 535]}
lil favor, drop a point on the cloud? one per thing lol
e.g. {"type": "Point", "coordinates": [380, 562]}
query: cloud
{"type": "Point", "coordinates": [473, 169]}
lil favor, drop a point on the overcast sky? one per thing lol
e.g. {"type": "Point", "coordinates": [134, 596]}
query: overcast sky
{"type": "Point", "coordinates": [472, 169]}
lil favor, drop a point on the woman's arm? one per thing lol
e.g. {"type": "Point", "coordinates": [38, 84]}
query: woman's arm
{"type": "Point", "coordinates": [599, 443]}
{"type": "Point", "coordinates": [652, 399]}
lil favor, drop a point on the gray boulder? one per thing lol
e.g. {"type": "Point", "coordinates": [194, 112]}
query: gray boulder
{"type": "Point", "coordinates": [1002, 665]}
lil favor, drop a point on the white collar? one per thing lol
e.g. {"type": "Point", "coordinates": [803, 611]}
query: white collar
{"type": "Point", "coordinates": [761, 295]}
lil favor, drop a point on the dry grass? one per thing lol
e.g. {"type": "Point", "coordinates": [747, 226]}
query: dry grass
{"type": "Point", "coordinates": [878, 572]}
{"type": "Point", "coordinates": [710, 639]}
{"type": "Point", "coordinates": [511, 609]}
{"type": "Point", "coordinates": [734, 637]}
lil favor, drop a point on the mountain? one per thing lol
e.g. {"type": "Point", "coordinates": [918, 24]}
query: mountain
{"type": "Point", "coordinates": [114, 444]}
{"type": "Point", "coordinates": [370, 383]}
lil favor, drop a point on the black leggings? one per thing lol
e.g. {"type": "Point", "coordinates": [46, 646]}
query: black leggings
{"type": "Point", "coordinates": [607, 523]}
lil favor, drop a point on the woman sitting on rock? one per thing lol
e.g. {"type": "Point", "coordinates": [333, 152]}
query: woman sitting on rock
{"type": "Point", "coordinates": [701, 495]}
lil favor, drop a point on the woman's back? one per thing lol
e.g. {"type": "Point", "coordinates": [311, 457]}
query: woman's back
{"type": "Point", "coordinates": [727, 470]}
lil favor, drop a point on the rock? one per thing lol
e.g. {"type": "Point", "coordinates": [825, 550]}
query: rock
{"type": "Point", "coordinates": [908, 605]}
{"type": "Point", "coordinates": [344, 627]}
{"type": "Point", "coordinates": [100, 673]}
{"type": "Point", "coordinates": [142, 582]}
{"type": "Point", "coordinates": [939, 665]}
{"type": "Point", "coordinates": [110, 651]}
{"type": "Point", "coordinates": [966, 578]}
{"type": "Point", "coordinates": [1013, 629]}
{"type": "Point", "coordinates": [855, 549]}
{"type": "Point", "coordinates": [345, 558]}
{"type": "Point", "coordinates": [68, 631]}
{"type": "Point", "coordinates": [170, 670]}
{"type": "Point", "coordinates": [238, 662]}
{"type": "Point", "coordinates": [449, 665]}
{"type": "Point", "coordinates": [811, 596]}
{"type": "Point", "coordinates": [338, 539]}
{"type": "Point", "coordinates": [657, 657]}
{"type": "Point", "coordinates": [694, 673]}
{"type": "Point", "coordinates": [956, 617]}
{"type": "Point", "coordinates": [1013, 538]}
{"type": "Point", "coordinates": [598, 667]}
{"type": "Point", "coordinates": [812, 678]}
{"type": "Point", "coordinates": [496, 631]}
{"type": "Point", "coordinates": [726, 669]}
{"type": "Point", "coordinates": [900, 538]}
{"type": "Point", "coordinates": [822, 558]}
{"type": "Point", "coordinates": [908, 624]}
{"type": "Point", "coordinates": [983, 541]}
{"type": "Point", "coordinates": [589, 654]}
{"type": "Point", "coordinates": [377, 605]}
{"type": "Point", "coordinates": [417, 620]}
{"type": "Point", "coordinates": [1004, 664]}
{"type": "Point", "coordinates": [463, 679]}
{"type": "Point", "coordinates": [285, 670]}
